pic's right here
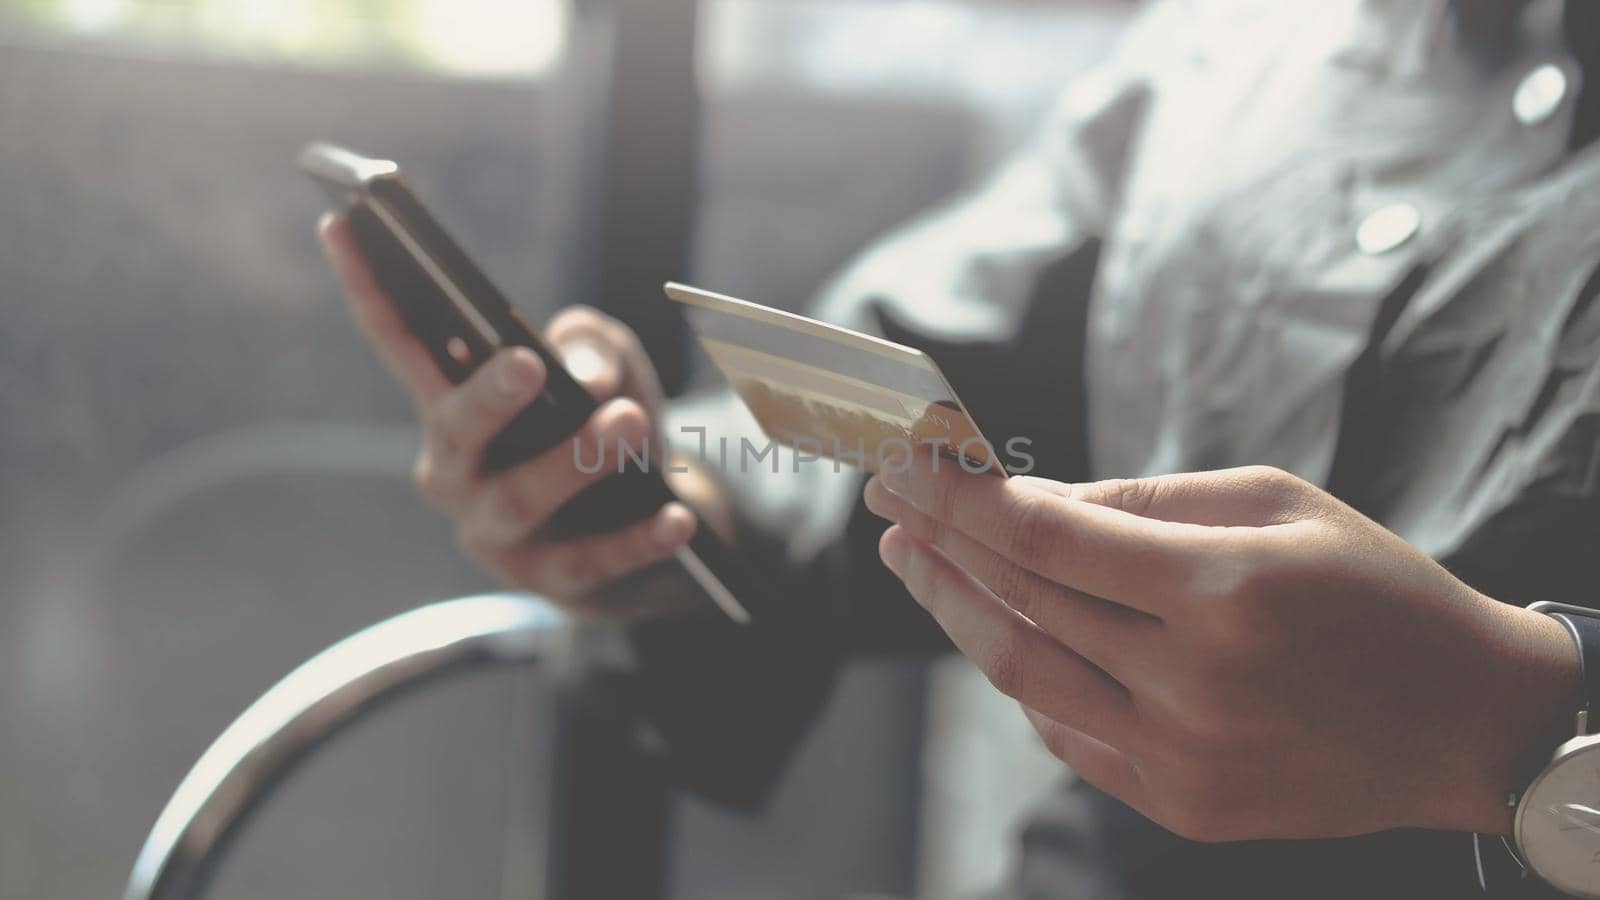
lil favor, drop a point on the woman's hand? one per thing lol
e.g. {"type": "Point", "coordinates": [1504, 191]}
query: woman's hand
{"type": "Point", "coordinates": [500, 516]}
{"type": "Point", "coordinates": [1235, 654]}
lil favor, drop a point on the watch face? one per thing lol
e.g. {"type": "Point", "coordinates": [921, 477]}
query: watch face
{"type": "Point", "coordinates": [1558, 821]}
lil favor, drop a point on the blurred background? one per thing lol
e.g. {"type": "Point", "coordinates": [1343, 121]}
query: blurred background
{"type": "Point", "coordinates": [202, 469]}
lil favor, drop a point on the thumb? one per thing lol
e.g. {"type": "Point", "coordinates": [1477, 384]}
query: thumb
{"type": "Point", "coordinates": [594, 365]}
{"type": "Point", "coordinates": [1252, 496]}
{"type": "Point", "coordinates": [605, 357]}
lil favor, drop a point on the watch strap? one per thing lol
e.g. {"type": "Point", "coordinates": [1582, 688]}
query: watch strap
{"type": "Point", "coordinates": [1583, 625]}
{"type": "Point", "coordinates": [1501, 871]}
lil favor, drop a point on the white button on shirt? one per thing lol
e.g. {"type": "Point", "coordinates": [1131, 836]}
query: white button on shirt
{"type": "Point", "coordinates": [1260, 179]}
{"type": "Point", "coordinates": [1388, 228]}
{"type": "Point", "coordinates": [1539, 94]}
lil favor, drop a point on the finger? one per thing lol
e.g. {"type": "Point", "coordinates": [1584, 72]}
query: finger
{"type": "Point", "coordinates": [1128, 559]}
{"type": "Point", "coordinates": [582, 566]}
{"type": "Point", "coordinates": [604, 356]}
{"type": "Point", "coordinates": [511, 506]}
{"type": "Point", "coordinates": [1096, 762]}
{"type": "Point", "coordinates": [1252, 496]}
{"type": "Point", "coordinates": [405, 357]}
{"type": "Point", "coordinates": [462, 421]}
{"type": "Point", "coordinates": [1112, 637]}
{"type": "Point", "coordinates": [1018, 658]}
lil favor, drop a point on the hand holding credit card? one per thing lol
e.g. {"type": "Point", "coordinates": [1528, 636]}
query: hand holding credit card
{"type": "Point", "coordinates": [839, 393]}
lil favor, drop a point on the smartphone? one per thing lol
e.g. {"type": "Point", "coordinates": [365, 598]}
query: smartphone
{"type": "Point", "coordinates": [461, 318]}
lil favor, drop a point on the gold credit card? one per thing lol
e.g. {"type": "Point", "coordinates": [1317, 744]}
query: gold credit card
{"type": "Point", "coordinates": [822, 389]}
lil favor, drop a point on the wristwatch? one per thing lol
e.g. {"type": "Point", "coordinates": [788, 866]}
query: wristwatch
{"type": "Point", "coordinates": [1556, 832]}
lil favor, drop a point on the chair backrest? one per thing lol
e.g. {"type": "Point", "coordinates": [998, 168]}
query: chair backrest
{"type": "Point", "coordinates": [321, 698]}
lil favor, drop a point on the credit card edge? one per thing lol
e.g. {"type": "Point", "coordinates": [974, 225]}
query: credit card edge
{"type": "Point", "coordinates": [693, 296]}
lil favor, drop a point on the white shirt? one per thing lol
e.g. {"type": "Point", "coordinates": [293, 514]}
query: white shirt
{"type": "Point", "coordinates": [1262, 175]}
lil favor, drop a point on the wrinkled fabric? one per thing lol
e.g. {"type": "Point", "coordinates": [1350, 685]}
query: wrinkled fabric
{"type": "Point", "coordinates": [1227, 156]}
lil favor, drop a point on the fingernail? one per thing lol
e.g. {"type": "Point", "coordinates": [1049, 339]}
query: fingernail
{"type": "Point", "coordinates": [894, 478]}
{"type": "Point", "coordinates": [895, 549]}
{"type": "Point", "coordinates": [674, 529]}
{"type": "Point", "coordinates": [895, 456]}
{"type": "Point", "coordinates": [628, 429]}
{"type": "Point", "coordinates": [519, 373]}
{"type": "Point", "coordinates": [584, 362]}
{"type": "Point", "coordinates": [877, 494]}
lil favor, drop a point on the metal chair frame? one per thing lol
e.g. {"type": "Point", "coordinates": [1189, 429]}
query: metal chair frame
{"type": "Point", "coordinates": [363, 672]}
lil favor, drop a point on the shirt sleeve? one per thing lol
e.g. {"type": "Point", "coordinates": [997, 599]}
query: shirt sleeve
{"type": "Point", "coordinates": [964, 273]}
{"type": "Point", "coordinates": [963, 281]}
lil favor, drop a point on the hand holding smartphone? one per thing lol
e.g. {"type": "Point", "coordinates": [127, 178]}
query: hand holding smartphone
{"type": "Point", "coordinates": [458, 319]}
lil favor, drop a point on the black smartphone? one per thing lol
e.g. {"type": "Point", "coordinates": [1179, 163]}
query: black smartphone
{"type": "Point", "coordinates": [458, 314]}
